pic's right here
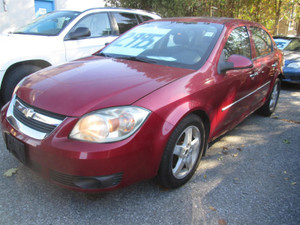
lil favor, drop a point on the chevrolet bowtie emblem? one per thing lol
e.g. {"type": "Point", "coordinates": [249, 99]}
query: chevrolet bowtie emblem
{"type": "Point", "coordinates": [29, 113]}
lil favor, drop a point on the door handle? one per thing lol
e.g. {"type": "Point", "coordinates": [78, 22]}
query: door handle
{"type": "Point", "coordinates": [253, 74]}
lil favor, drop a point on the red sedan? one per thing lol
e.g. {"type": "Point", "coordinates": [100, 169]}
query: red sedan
{"type": "Point", "coordinates": [145, 106]}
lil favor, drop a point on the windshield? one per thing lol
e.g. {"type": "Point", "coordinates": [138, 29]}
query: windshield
{"type": "Point", "coordinates": [50, 24]}
{"type": "Point", "coordinates": [288, 44]}
{"type": "Point", "coordinates": [282, 43]}
{"type": "Point", "coordinates": [294, 45]}
{"type": "Point", "coordinates": [177, 44]}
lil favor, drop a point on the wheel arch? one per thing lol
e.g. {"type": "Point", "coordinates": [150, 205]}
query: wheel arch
{"type": "Point", "coordinates": [206, 122]}
{"type": "Point", "coordinates": [40, 63]}
{"type": "Point", "coordinates": [172, 121]}
{"type": "Point", "coordinates": [162, 169]}
{"type": "Point", "coordinates": [183, 111]}
{"type": "Point", "coordinates": [281, 77]}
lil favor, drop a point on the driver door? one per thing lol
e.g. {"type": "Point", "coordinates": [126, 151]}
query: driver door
{"type": "Point", "coordinates": [235, 87]}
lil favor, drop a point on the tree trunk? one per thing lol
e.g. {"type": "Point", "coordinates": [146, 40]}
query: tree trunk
{"type": "Point", "coordinates": [298, 29]}
{"type": "Point", "coordinates": [277, 16]}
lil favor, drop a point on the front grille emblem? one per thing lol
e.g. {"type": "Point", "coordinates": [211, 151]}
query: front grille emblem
{"type": "Point", "coordinates": [28, 113]}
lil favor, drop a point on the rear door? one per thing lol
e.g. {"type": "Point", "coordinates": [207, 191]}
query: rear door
{"type": "Point", "coordinates": [265, 61]}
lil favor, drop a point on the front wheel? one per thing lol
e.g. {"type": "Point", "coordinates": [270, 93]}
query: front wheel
{"type": "Point", "coordinates": [270, 105]}
{"type": "Point", "coordinates": [183, 153]}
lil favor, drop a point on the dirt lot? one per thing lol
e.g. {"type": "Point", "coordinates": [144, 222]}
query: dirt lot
{"type": "Point", "coordinates": [249, 176]}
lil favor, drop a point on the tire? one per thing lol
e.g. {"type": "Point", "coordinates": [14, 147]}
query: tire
{"type": "Point", "coordinates": [182, 153]}
{"type": "Point", "coordinates": [13, 77]}
{"type": "Point", "coordinates": [270, 105]}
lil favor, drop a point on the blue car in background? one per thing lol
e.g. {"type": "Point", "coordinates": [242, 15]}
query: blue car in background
{"type": "Point", "coordinates": [291, 49]}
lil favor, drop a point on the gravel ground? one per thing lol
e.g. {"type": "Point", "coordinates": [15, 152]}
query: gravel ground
{"type": "Point", "coordinates": [249, 176]}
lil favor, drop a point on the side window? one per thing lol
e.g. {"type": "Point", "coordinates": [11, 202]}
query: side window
{"type": "Point", "coordinates": [238, 43]}
{"type": "Point", "coordinates": [262, 41]}
{"type": "Point", "coordinates": [98, 24]}
{"type": "Point", "coordinates": [145, 18]}
{"type": "Point", "coordinates": [125, 21]}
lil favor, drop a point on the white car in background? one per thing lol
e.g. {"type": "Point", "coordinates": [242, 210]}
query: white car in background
{"type": "Point", "coordinates": [61, 36]}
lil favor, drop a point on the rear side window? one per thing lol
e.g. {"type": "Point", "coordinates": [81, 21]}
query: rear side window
{"type": "Point", "coordinates": [262, 41]}
{"type": "Point", "coordinates": [238, 43]}
{"type": "Point", "coordinates": [145, 18]}
{"type": "Point", "coordinates": [125, 21]}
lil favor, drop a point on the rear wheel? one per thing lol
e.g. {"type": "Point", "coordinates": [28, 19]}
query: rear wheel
{"type": "Point", "coordinates": [270, 105]}
{"type": "Point", "coordinates": [13, 77]}
{"type": "Point", "coordinates": [183, 153]}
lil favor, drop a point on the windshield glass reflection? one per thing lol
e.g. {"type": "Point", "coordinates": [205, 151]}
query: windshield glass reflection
{"type": "Point", "coordinates": [177, 44]}
{"type": "Point", "coordinates": [50, 24]}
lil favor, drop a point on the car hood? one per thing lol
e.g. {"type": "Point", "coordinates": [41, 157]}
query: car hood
{"type": "Point", "coordinates": [291, 55]}
{"type": "Point", "coordinates": [22, 41]}
{"type": "Point", "coordinates": [18, 47]}
{"type": "Point", "coordinates": [82, 86]}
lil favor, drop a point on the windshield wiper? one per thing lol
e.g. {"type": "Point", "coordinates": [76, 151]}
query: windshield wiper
{"type": "Point", "coordinates": [102, 54]}
{"type": "Point", "coordinates": [139, 59]}
{"type": "Point", "coordinates": [133, 58]}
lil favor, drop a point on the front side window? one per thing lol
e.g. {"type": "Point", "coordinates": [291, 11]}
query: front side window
{"type": "Point", "coordinates": [262, 41]}
{"type": "Point", "coordinates": [238, 43]}
{"type": "Point", "coordinates": [98, 24]}
{"type": "Point", "coordinates": [125, 21]}
{"type": "Point", "coordinates": [177, 44]}
{"type": "Point", "coordinates": [50, 24]}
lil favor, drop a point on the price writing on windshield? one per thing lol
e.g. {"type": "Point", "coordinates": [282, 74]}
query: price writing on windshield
{"type": "Point", "coordinates": [140, 40]}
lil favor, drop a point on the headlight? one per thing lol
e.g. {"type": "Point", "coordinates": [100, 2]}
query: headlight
{"type": "Point", "coordinates": [295, 65]}
{"type": "Point", "coordinates": [109, 125]}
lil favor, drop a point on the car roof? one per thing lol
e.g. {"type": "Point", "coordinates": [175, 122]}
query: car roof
{"type": "Point", "coordinates": [122, 9]}
{"type": "Point", "coordinates": [138, 11]}
{"type": "Point", "coordinates": [218, 20]}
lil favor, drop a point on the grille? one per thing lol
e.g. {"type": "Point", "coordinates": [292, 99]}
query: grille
{"type": "Point", "coordinates": [44, 112]}
{"type": "Point", "coordinates": [64, 179]}
{"type": "Point", "coordinates": [32, 121]}
{"type": "Point", "coordinates": [97, 182]}
{"type": "Point", "coordinates": [34, 124]}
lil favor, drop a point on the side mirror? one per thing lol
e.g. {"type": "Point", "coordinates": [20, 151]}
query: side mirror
{"type": "Point", "coordinates": [240, 62]}
{"type": "Point", "coordinates": [234, 62]}
{"type": "Point", "coordinates": [80, 32]}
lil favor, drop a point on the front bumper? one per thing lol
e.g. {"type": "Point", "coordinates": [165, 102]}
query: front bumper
{"type": "Point", "coordinates": [291, 75]}
{"type": "Point", "coordinates": [87, 166]}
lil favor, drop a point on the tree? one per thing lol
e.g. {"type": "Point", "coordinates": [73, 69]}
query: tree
{"type": "Point", "coordinates": [277, 15]}
{"type": "Point", "coordinates": [267, 12]}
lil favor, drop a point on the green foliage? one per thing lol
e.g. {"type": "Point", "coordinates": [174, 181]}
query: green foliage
{"type": "Point", "coordinates": [266, 12]}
